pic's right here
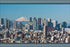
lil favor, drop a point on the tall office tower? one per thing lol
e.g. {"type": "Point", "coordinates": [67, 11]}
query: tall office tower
{"type": "Point", "coordinates": [54, 23]}
{"type": "Point", "coordinates": [15, 25]}
{"type": "Point", "coordinates": [39, 21]}
{"type": "Point", "coordinates": [63, 30]}
{"type": "Point", "coordinates": [50, 24]}
{"type": "Point", "coordinates": [20, 25]}
{"type": "Point", "coordinates": [49, 20]}
{"type": "Point", "coordinates": [45, 31]}
{"type": "Point", "coordinates": [42, 23]}
{"type": "Point", "coordinates": [34, 23]}
{"type": "Point", "coordinates": [30, 19]}
{"type": "Point", "coordinates": [6, 23]}
{"type": "Point", "coordinates": [30, 23]}
{"type": "Point", "coordinates": [45, 22]}
{"type": "Point", "coordinates": [39, 24]}
{"type": "Point", "coordinates": [1, 21]}
{"type": "Point", "coordinates": [64, 24]}
{"type": "Point", "coordinates": [58, 27]}
{"type": "Point", "coordinates": [10, 23]}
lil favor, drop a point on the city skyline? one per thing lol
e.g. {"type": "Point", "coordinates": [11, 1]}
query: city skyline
{"type": "Point", "coordinates": [15, 11]}
{"type": "Point", "coordinates": [36, 31]}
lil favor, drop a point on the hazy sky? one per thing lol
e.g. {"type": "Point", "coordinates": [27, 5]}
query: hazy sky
{"type": "Point", "coordinates": [60, 12]}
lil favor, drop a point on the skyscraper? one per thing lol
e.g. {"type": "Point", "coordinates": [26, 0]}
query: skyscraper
{"type": "Point", "coordinates": [39, 24]}
{"type": "Point", "coordinates": [54, 23]}
{"type": "Point", "coordinates": [15, 25]}
{"type": "Point", "coordinates": [50, 24]}
{"type": "Point", "coordinates": [45, 31]}
{"type": "Point", "coordinates": [49, 20]}
{"type": "Point", "coordinates": [30, 23]}
{"type": "Point", "coordinates": [1, 21]}
{"type": "Point", "coordinates": [63, 30]}
{"type": "Point", "coordinates": [30, 19]}
{"type": "Point", "coordinates": [39, 21]}
{"type": "Point", "coordinates": [6, 23]}
{"type": "Point", "coordinates": [45, 22]}
{"type": "Point", "coordinates": [11, 23]}
{"type": "Point", "coordinates": [58, 27]}
{"type": "Point", "coordinates": [64, 24]}
{"type": "Point", "coordinates": [42, 23]}
{"type": "Point", "coordinates": [20, 25]}
{"type": "Point", "coordinates": [34, 23]}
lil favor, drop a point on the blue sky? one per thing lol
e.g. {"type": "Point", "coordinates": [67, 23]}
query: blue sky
{"type": "Point", "coordinates": [60, 12]}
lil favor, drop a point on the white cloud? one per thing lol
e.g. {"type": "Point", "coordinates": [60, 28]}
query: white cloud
{"type": "Point", "coordinates": [22, 19]}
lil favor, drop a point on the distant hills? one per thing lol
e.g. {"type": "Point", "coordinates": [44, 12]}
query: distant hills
{"type": "Point", "coordinates": [22, 19]}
